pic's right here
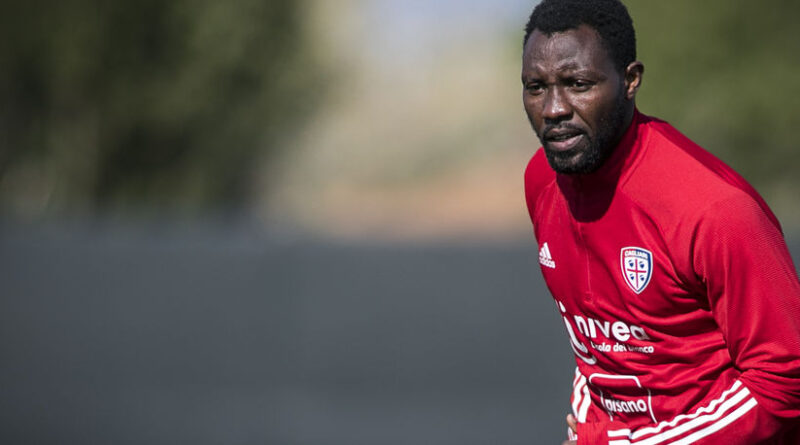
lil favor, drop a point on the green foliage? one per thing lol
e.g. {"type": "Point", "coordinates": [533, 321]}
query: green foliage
{"type": "Point", "coordinates": [145, 104]}
{"type": "Point", "coordinates": [725, 73]}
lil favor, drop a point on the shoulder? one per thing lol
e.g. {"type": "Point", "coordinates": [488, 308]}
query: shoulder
{"type": "Point", "coordinates": [679, 179]}
{"type": "Point", "coordinates": [538, 176]}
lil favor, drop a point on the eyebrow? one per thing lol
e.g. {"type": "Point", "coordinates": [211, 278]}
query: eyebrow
{"type": "Point", "coordinates": [570, 66]}
{"type": "Point", "coordinates": [575, 68]}
{"type": "Point", "coordinates": [572, 70]}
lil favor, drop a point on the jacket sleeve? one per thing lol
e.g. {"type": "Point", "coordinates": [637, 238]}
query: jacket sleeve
{"type": "Point", "coordinates": [741, 258]}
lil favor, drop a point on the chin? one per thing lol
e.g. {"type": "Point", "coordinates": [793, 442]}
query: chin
{"type": "Point", "coordinates": [567, 162]}
{"type": "Point", "coordinates": [578, 164]}
{"type": "Point", "coordinates": [584, 159]}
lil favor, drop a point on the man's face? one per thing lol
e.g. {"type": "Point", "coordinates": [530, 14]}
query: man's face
{"type": "Point", "coordinates": [575, 98]}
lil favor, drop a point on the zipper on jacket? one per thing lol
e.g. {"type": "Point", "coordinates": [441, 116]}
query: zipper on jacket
{"type": "Point", "coordinates": [587, 292]}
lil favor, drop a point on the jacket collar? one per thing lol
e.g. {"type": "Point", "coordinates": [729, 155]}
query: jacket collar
{"type": "Point", "coordinates": [590, 195]}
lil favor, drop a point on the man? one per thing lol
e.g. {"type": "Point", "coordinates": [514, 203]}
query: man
{"type": "Point", "coordinates": [670, 272]}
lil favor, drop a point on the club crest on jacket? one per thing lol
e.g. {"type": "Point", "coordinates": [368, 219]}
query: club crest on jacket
{"type": "Point", "coordinates": [637, 267]}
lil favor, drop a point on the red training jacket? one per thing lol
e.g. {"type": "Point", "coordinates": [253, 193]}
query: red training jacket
{"type": "Point", "coordinates": [678, 294]}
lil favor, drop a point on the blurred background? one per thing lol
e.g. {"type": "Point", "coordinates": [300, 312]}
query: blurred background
{"type": "Point", "coordinates": [302, 222]}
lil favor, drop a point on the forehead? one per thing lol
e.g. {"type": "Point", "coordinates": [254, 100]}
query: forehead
{"type": "Point", "coordinates": [580, 48]}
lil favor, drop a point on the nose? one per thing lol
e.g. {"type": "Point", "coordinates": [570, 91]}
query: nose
{"type": "Point", "coordinates": [556, 105]}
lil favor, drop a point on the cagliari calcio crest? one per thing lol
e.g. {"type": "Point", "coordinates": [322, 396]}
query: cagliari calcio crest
{"type": "Point", "coordinates": [637, 267]}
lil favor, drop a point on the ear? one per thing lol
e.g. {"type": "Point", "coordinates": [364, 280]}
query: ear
{"type": "Point", "coordinates": [633, 79]}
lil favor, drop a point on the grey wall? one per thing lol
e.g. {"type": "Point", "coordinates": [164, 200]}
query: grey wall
{"type": "Point", "coordinates": [154, 336]}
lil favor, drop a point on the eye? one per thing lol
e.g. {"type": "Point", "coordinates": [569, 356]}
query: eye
{"type": "Point", "coordinates": [534, 88]}
{"type": "Point", "coordinates": [580, 85]}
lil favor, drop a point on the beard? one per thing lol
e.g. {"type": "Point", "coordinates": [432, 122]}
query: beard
{"type": "Point", "coordinates": [590, 154]}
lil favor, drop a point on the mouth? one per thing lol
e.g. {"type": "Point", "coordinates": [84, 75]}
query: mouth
{"type": "Point", "coordinates": [563, 140]}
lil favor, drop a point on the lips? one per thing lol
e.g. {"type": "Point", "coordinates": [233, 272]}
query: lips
{"type": "Point", "coordinates": [563, 139]}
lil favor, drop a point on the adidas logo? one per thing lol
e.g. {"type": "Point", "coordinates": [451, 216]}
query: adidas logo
{"type": "Point", "coordinates": [544, 257]}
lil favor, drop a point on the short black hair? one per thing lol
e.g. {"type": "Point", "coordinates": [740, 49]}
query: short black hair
{"type": "Point", "coordinates": [610, 18]}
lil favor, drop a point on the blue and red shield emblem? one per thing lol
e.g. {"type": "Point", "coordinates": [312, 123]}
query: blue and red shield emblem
{"type": "Point", "coordinates": [637, 267]}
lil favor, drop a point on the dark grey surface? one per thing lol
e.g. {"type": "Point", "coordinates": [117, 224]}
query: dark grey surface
{"type": "Point", "coordinates": [171, 336]}
{"type": "Point", "coordinates": [151, 336]}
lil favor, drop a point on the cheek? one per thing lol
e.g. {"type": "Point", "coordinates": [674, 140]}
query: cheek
{"type": "Point", "coordinates": [595, 108]}
{"type": "Point", "coordinates": [531, 109]}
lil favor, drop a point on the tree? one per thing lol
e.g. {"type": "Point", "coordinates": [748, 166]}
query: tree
{"type": "Point", "coordinates": [146, 105]}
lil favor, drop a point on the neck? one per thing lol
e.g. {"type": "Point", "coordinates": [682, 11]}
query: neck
{"type": "Point", "coordinates": [626, 122]}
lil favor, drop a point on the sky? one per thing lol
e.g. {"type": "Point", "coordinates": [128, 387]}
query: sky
{"type": "Point", "coordinates": [407, 29]}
